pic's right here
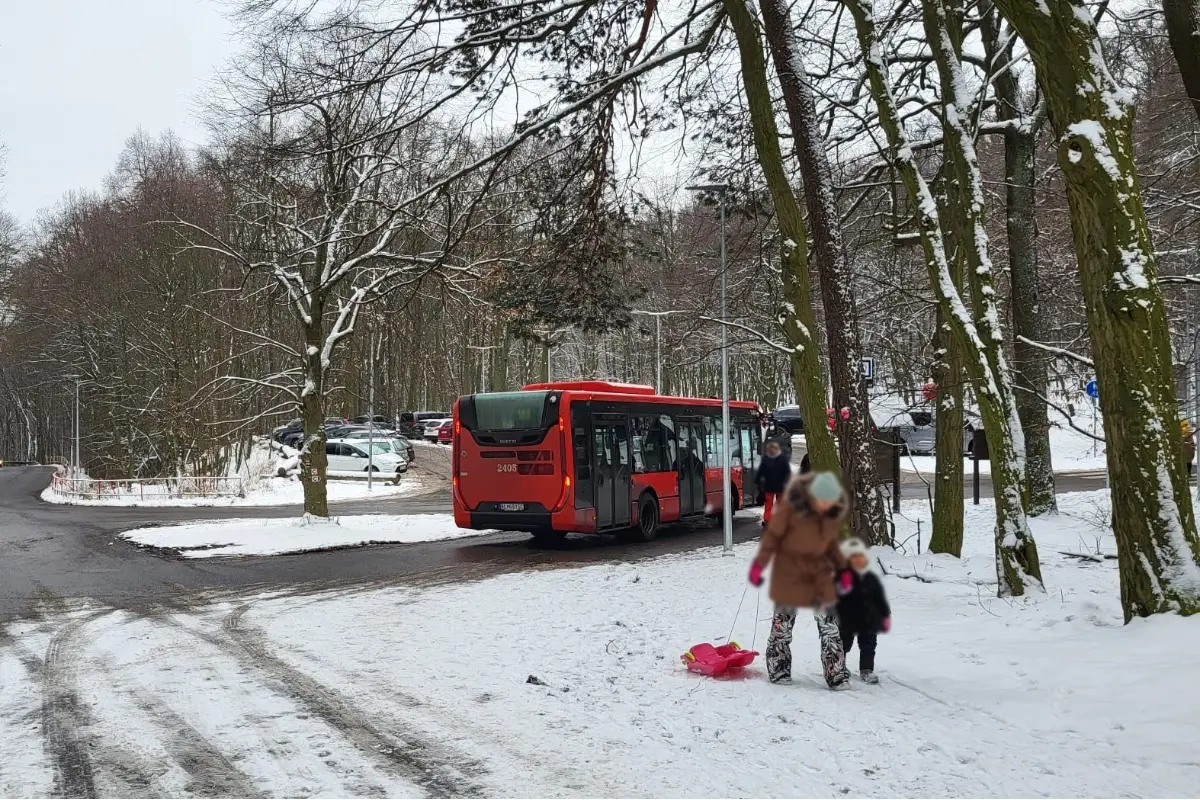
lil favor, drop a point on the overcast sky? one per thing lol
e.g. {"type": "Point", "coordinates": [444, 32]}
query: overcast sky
{"type": "Point", "coordinates": [80, 76]}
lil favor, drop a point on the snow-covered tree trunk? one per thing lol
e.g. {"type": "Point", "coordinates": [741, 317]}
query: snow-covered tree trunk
{"type": "Point", "coordinates": [796, 318]}
{"type": "Point", "coordinates": [1030, 363]}
{"type": "Point", "coordinates": [837, 291]}
{"type": "Point", "coordinates": [1017, 566]}
{"type": "Point", "coordinates": [1093, 119]}
{"type": "Point", "coordinates": [313, 459]}
{"type": "Point", "coordinates": [947, 534]}
{"type": "Point", "coordinates": [1183, 29]}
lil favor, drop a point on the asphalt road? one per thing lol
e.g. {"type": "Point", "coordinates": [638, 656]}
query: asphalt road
{"type": "Point", "coordinates": [51, 553]}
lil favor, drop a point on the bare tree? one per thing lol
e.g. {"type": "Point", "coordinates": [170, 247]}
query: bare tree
{"type": "Point", "coordinates": [329, 169]}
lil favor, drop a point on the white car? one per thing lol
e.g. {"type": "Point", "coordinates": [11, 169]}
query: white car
{"type": "Point", "coordinates": [354, 455]}
{"type": "Point", "coordinates": [429, 429]}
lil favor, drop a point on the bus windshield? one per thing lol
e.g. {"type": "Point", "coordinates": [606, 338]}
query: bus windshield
{"type": "Point", "coordinates": [508, 411]}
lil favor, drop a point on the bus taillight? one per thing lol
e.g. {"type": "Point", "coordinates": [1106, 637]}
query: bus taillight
{"type": "Point", "coordinates": [562, 449]}
{"type": "Point", "coordinates": [566, 492]}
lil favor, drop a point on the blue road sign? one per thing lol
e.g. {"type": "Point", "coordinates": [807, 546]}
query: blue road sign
{"type": "Point", "coordinates": [1093, 390]}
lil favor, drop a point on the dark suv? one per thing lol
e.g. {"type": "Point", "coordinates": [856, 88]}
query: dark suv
{"type": "Point", "coordinates": [788, 418]}
{"type": "Point", "coordinates": [410, 422]}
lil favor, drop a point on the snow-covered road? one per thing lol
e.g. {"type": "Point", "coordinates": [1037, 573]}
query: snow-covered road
{"type": "Point", "coordinates": [422, 688]}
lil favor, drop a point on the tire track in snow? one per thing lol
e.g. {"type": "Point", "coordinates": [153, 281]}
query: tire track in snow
{"type": "Point", "coordinates": [63, 715]}
{"type": "Point", "coordinates": [212, 775]}
{"type": "Point", "coordinates": [442, 774]}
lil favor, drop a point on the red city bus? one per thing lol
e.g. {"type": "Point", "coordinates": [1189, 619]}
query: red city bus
{"type": "Point", "coordinates": [596, 457]}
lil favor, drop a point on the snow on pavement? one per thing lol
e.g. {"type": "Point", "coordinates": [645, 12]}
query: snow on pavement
{"type": "Point", "coordinates": [422, 689]}
{"type": "Point", "coordinates": [265, 492]}
{"type": "Point", "coordinates": [266, 537]}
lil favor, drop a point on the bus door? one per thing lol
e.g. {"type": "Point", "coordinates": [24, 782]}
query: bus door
{"type": "Point", "coordinates": [690, 432]}
{"type": "Point", "coordinates": [613, 471]}
{"type": "Point", "coordinates": [748, 445]}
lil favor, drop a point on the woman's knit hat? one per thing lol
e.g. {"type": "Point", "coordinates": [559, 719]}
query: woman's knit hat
{"type": "Point", "coordinates": [825, 487]}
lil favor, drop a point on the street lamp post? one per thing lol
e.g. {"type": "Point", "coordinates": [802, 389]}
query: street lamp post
{"type": "Point", "coordinates": [371, 418]}
{"type": "Point", "coordinates": [726, 497]}
{"type": "Point", "coordinates": [77, 465]}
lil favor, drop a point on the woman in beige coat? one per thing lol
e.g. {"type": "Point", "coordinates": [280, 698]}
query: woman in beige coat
{"type": "Point", "coordinates": [801, 542]}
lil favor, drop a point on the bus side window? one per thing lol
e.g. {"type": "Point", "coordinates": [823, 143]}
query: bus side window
{"type": "Point", "coordinates": [756, 442]}
{"type": "Point", "coordinates": [669, 445]}
{"type": "Point", "coordinates": [735, 442]}
{"type": "Point", "coordinates": [712, 438]}
{"type": "Point", "coordinates": [637, 431]}
{"type": "Point", "coordinates": [583, 464]}
{"type": "Point", "coordinates": [647, 444]}
{"type": "Point", "coordinates": [749, 450]}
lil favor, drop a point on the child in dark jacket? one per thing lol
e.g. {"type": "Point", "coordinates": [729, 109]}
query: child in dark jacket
{"type": "Point", "coordinates": [862, 609]}
{"type": "Point", "coordinates": [773, 475]}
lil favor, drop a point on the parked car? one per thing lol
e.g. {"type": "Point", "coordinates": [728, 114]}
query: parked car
{"type": "Point", "coordinates": [398, 442]}
{"type": "Point", "coordinates": [332, 421]}
{"type": "Point", "coordinates": [430, 428]}
{"type": "Point", "coordinates": [283, 430]}
{"type": "Point", "coordinates": [378, 419]}
{"type": "Point", "coordinates": [293, 439]}
{"type": "Point", "coordinates": [788, 418]}
{"type": "Point", "coordinates": [412, 423]}
{"type": "Point", "coordinates": [348, 455]}
{"type": "Point", "coordinates": [914, 426]}
{"type": "Point", "coordinates": [445, 432]}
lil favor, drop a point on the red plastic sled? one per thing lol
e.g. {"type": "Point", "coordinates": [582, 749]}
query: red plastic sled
{"type": "Point", "coordinates": [717, 661]}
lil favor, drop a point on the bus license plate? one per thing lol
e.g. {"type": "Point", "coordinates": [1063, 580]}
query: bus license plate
{"type": "Point", "coordinates": [512, 506]}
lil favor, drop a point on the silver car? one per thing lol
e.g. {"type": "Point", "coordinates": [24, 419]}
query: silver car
{"type": "Point", "coordinates": [915, 428]}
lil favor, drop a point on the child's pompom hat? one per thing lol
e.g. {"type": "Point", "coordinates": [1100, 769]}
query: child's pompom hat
{"type": "Point", "coordinates": [854, 546]}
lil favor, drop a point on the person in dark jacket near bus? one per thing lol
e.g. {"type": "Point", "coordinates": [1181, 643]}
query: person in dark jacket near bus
{"type": "Point", "coordinates": [773, 475]}
{"type": "Point", "coordinates": [774, 433]}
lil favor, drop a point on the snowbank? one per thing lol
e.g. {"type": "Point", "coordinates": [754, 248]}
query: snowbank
{"type": "Point", "coordinates": [265, 537]}
{"type": "Point", "coordinates": [1044, 695]}
{"type": "Point", "coordinates": [265, 492]}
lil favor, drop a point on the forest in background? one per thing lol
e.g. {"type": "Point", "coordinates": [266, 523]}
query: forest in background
{"type": "Point", "coordinates": [998, 199]}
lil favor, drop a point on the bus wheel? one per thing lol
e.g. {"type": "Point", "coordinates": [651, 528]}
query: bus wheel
{"type": "Point", "coordinates": [646, 527]}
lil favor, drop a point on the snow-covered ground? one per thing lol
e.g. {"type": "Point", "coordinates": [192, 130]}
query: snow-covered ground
{"type": "Point", "coordinates": [266, 537]}
{"type": "Point", "coordinates": [264, 492]}
{"type": "Point", "coordinates": [427, 689]}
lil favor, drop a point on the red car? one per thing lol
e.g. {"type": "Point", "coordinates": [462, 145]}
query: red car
{"type": "Point", "coordinates": [445, 433]}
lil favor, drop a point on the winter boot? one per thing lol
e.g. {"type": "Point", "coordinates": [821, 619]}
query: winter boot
{"type": "Point", "coordinates": [869, 676]}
